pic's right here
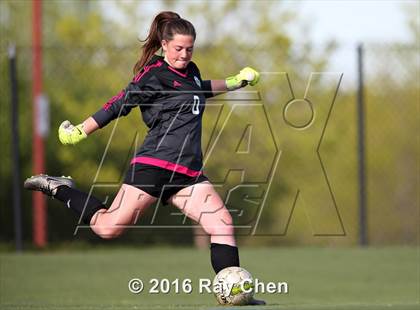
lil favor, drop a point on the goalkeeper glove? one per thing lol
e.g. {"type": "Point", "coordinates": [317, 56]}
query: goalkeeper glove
{"type": "Point", "coordinates": [246, 76]}
{"type": "Point", "coordinates": [70, 134]}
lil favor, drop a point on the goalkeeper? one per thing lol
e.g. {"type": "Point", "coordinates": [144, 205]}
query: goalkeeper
{"type": "Point", "coordinates": [171, 95]}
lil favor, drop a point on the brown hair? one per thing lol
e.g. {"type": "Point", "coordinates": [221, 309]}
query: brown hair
{"type": "Point", "coordinates": [164, 27]}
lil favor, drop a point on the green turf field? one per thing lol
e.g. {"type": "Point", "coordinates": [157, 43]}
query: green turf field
{"type": "Point", "coordinates": [318, 278]}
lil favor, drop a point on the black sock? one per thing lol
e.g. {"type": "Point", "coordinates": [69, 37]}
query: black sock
{"type": "Point", "coordinates": [223, 255]}
{"type": "Point", "coordinates": [83, 204]}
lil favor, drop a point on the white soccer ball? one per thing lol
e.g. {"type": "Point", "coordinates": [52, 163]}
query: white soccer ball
{"type": "Point", "coordinates": [233, 286]}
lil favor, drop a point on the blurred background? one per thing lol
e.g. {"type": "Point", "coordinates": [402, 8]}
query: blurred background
{"type": "Point", "coordinates": [341, 170]}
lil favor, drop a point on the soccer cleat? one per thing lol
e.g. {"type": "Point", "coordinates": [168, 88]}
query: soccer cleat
{"type": "Point", "coordinates": [47, 184]}
{"type": "Point", "coordinates": [256, 302]}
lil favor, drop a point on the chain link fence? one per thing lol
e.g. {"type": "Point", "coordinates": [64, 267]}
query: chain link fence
{"type": "Point", "coordinates": [392, 142]}
{"type": "Point", "coordinates": [309, 158]}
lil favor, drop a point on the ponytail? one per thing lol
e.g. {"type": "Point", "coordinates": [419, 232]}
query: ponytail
{"type": "Point", "coordinates": [154, 38]}
{"type": "Point", "coordinates": [165, 25]}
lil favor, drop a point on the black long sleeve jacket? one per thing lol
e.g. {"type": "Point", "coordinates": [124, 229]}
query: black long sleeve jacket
{"type": "Point", "coordinates": [172, 103]}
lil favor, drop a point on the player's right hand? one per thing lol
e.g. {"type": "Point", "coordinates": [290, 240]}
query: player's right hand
{"type": "Point", "coordinates": [70, 134]}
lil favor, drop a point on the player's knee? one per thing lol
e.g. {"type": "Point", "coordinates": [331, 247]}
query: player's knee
{"type": "Point", "coordinates": [109, 232]}
{"type": "Point", "coordinates": [220, 230]}
{"type": "Point", "coordinates": [219, 224]}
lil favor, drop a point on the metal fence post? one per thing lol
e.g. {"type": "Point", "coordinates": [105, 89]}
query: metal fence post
{"type": "Point", "coordinates": [363, 229]}
{"type": "Point", "coordinates": [15, 149]}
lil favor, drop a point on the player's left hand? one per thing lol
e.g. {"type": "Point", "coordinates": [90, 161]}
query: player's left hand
{"type": "Point", "coordinates": [70, 134]}
{"type": "Point", "coordinates": [246, 76]}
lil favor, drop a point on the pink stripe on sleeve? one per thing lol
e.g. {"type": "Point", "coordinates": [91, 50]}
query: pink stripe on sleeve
{"type": "Point", "coordinates": [135, 79]}
{"type": "Point", "coordinates": [145, 70]}
{"type": "Point", "coordinates": [113, 99]}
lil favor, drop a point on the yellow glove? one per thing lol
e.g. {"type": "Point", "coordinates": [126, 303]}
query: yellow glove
{"type": "Point", "coordinates": [246, 76]}
{"type": "Point", "coordinates": [70, 134]}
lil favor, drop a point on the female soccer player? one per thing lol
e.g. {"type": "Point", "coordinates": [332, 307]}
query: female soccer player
{"type": "Point", "coordinates": [171, 96]}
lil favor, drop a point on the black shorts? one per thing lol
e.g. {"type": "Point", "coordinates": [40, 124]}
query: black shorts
{"type": "Point", "coordinates": [159, 182]}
